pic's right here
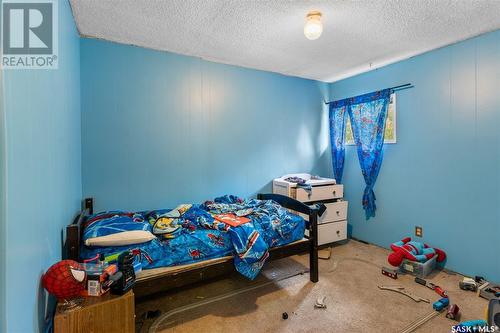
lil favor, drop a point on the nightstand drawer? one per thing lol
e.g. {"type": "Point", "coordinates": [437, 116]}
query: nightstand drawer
{"type": "Point", "coordinates": [325, 192]}
{"type": "Point", "coordinates": [331, 232]}
{"type": "Point", "coordinates": [335, 211]}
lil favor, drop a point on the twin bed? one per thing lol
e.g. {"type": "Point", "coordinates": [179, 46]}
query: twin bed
{"type": "Point", "coordinates": [192, 243]}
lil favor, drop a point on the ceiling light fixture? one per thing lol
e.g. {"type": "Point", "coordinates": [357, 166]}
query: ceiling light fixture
{"type": "Point", "coordinates": [313, 27]}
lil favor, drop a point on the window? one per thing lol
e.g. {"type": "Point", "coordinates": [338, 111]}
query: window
{"type": "Point", "coordinates": [390, 125]}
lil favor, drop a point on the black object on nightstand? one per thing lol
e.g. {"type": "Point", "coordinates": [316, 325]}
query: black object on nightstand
{"type": "Point", "coordinates": [125, 264]}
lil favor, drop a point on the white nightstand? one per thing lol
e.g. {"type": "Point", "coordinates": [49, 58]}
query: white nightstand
{"type": "Point", "coordinates": [332, 225]}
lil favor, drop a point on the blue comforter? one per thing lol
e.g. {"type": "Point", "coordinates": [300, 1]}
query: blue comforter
{"type": "Point", "coordinates": [197, 235]}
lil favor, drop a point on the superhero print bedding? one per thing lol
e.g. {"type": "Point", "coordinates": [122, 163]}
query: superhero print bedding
{"type": "Point", "coordinates": [191, 233]}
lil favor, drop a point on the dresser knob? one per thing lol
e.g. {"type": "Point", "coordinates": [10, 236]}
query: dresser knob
{"type": "Point", "coordinates": [338, 213]}
{"type": "Point", "coordinates": [338, 232]}
{"type": "Point", "coordinates": [334, 193]}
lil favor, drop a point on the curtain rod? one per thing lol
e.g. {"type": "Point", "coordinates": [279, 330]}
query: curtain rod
{"type": "Point", "coordinates": [393, 89]}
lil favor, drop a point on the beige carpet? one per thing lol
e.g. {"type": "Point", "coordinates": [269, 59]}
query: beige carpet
{"type": "Point", "coordinates": [354, 303]}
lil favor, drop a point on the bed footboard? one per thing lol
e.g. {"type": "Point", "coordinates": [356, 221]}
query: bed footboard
{"type": "Point", "coordinates": [312, 225]}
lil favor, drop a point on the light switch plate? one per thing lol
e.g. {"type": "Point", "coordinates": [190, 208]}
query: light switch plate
{"type": "Point", "coordinates": [418, 231]}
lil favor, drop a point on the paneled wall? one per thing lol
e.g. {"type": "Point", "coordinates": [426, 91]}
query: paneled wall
{"type": "Point", "coordinates": [161, 129]}
{"type": "Point", "coordinates": [444, 172]}
{"type": "Point", "coordinates": [3, 201]}
{"type": "Point", "coordinates": [40, 148]}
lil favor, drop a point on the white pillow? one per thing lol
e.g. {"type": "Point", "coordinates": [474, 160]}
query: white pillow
{"type": "Point", "coordinates": [121, 238]}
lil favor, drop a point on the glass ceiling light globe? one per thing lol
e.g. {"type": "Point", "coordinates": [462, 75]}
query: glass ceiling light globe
{"type": "Point", "coordinates": [313, 27]}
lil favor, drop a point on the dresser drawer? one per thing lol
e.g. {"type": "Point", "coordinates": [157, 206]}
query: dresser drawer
{"type": "Point", "coordinates": [331, 232]}
{"type": "Point", "coordinates": [335, 211]}
{"type": "Point", "coordinates": [325, 192]}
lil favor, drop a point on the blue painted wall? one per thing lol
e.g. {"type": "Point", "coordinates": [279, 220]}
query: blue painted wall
{"type": "Point", "coordinates": [43, 174]}
{"type": "Point", "coordinates": [159, 129]}
{"type": "Point", "coordinates": [444, 172]}
{"type": "Point", "coordinates": [3, 174]}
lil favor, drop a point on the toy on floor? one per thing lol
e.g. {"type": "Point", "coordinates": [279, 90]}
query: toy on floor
{"type": "Point", "coordinates": [491, 291]}
{"type": "Point", "coordinates": [320, 303]}
{"type": "Point", "coordinates": [402, 290]}
{"type": "Point", "coordinates": [453, 312]}
{"type": "Point", "coordinates": [494, 312]}
{"type": "Point", "coordinates": [431, 286]}
{"type": "Point", "coordinates": [392, 273]}
{"type": "Point", "coordinates": [491, 323]}
{"type": "Point", "coordinates": [468, 284]}
{"type": "Point", "coordinates": [487, 289]}
{"type": "Point", "coordinates": [421, 321]}
{"type": "Point", "coordinates": [441, 304]}
{"type": "Point", "coordinates": [415, 251]}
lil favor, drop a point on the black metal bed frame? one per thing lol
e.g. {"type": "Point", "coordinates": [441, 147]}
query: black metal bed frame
{"type": "Point", "coordinates": [167, 281]}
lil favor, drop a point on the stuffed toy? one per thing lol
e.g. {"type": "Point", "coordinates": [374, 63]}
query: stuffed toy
{"type": "Point", "coordinates": [415, 251]}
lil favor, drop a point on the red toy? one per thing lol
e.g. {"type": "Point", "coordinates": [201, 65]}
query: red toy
{"type": "Point", "coordinates": [415, 251]}
{"type": "Point", "coordinates": [64, 280]}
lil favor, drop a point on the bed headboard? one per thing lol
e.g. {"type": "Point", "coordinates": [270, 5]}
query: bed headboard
{"type": "Point", "coordinates": [74, 231]}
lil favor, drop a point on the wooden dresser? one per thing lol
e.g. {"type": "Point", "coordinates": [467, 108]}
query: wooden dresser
{"type": "Point", "coordinates": [332, 225]}
{"type": "Point", "coordinates": [107, 313]}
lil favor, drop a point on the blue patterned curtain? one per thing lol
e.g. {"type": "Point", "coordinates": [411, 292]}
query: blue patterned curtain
{"type": "Point", "coordinates": [368, 114]}
{"type": "Point", "coordinates": [338, 116]}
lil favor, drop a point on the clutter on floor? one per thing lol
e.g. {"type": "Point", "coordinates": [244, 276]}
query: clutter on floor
{"type": "Point", "coordinates": [401, 290]}
{"type": "Point", "coordinates": [494, 312]}
{"type": "Point", "coordinates": [420, 260]}
{"type": "Point", "coordinates": [420, 322]}
{"type": "Point", "coordinates": [320, 303]}
{"type": "Point", "coordinates": [453, 312]}
{"type": "Point", "coordinates": [468, 284]}
{"type": "Point", "coordinates": [352, 267]}
{"type": "Point", "coordinates": [392, 273]}
{"type": "Point", "coordinates": [322, 256]}
{"type": "Point", "coordinates": [481, 286]}
{"type": "Point", "coordinates": [488, 290]}
{"type": "Point", "coordinates": [415, 257]}
{"type": "Point", "coordinates": [441, 304]}
{"type": "Point", "coordinates": [431, 286]}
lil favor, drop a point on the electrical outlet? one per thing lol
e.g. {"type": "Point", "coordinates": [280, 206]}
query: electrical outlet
{"type": "Point", "coordinates": [418, 231]}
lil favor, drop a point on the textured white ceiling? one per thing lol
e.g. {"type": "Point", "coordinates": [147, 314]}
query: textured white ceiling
{"type": "Point", "coordinates": [268, 35]}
